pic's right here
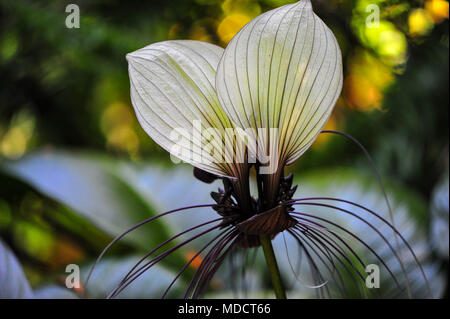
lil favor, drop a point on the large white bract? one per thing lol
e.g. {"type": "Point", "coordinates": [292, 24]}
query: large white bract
{"type": "Point", "coordinates": [282, 70]}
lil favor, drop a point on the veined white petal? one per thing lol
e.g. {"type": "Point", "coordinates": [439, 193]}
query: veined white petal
{"type": "Point", "coordinates": [282, 70]}
{"type": "Point", "coordinates": [174, 96]}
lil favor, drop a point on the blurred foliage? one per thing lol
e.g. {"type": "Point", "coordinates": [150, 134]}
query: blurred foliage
{"type": "Point", "coordinates": [69, 89]}
{"type": "Point", "coordinates": [44, 244]}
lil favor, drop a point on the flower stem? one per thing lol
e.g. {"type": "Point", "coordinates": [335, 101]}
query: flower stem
{"type": "Point", "coordinates": [272, 265]}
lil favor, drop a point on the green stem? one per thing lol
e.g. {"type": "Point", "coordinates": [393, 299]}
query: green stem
{"type": "Point", "coordinates": [272, 265]}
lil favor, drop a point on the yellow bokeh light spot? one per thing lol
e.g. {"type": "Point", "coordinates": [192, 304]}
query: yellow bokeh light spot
{"type": "Point", "coordinates": [117, 125]}
{"type": "Point", "coordinates": [14, 143]}
{"type": "Point", "coordinates": [231, 25]}
{"type": "Point", "coordinates": [248, 7]}
{"type": "Point", "coordinates": [367, 79]}
{"type": "Point", "coordinates": [123, 138]}
{"type": "Point", "coordinates": [437, 9]}
{"type": "Point", "coordinates": [15, 140]}
{"type": "Point", "coordinates": [322, 139]}
{"type": "Point", "coordinates": [392, 44]}
{"type": "Point", "coordinates": [387, 41]}
{"type": "Point", "coordinates": [362, 93]}
{"type": "Point", "coordinates": [419, 22]}
{"type": "Point", "coordinates": [116, 114]}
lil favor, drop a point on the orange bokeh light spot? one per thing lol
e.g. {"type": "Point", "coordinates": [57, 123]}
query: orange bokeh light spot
{"type": "Point", "coordinates": [197, 260]}
{"type": "Point", "coordinates": [361, 93]}
{"type": "Point", "coordinates": [322, 139]}
{"type": "Point", "coordinates": [437, 9]}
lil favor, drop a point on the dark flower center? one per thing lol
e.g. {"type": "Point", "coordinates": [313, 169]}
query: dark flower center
{"type": "Point", "coordinates": [260, 218]}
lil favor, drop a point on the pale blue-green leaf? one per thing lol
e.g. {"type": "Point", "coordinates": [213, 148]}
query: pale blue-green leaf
{"type": "Point", "coordinates": [54, 292]}
{"type": "Point", "coordinates": [13, 283]}
{"type": "Point", "coordinates": [109, 273]}
{"type": "Point", "coordinates": [90, 185]}
{"type": "Point", "coordinates": [409, 216]}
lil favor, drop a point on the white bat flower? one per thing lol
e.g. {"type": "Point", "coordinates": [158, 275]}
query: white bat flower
{"type": "Point", "coordinates": [259, 103]}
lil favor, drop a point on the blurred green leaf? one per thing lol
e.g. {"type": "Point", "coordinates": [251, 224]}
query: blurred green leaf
{"type": "Point", "coordinates": [90, 186]}
{"type": "Point", "coordinates": [114, 195]}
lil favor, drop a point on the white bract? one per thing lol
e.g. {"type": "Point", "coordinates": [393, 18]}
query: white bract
{"type": "Point", "coordinates": [278, 80]}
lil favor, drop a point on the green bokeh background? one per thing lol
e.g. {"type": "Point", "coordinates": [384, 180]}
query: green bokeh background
{"type": "Point", "coordinates": [66, 91]}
